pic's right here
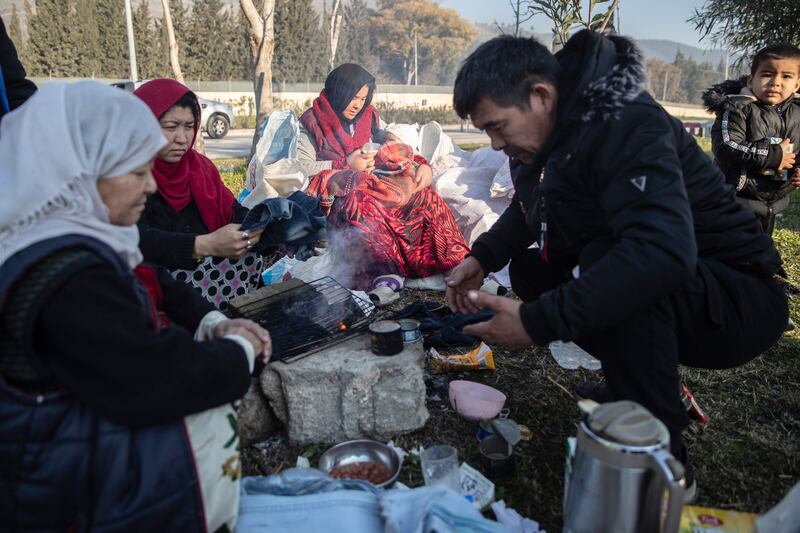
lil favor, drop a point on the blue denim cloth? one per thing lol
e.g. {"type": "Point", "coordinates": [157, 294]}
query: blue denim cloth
{"type": "Point", "coordinates": [296, 222]}
{"type": "Point", "coordinates": [308, 501]}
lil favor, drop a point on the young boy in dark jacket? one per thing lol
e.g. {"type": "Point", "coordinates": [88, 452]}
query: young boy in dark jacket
{"type": "Point", "coordinates": [756, 135]}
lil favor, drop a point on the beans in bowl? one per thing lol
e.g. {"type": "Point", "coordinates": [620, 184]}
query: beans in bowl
{"type": "Point", "coordinates": [375, 473]}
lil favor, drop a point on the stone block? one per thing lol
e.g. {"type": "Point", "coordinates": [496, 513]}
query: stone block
{"type": "Point", "coordinates": [346, 392]}
{"type": "Point", "coordinates": [256, 420]}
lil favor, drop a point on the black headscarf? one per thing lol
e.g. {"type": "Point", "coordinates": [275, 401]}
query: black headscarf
{"type": "Point", "coordinates": [343, 83]}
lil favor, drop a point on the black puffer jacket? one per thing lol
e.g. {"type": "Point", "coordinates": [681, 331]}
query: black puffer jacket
{"type": "Point", "coordinates": [617, 165]}
{"type": "Point", "coordinates": [740, 138]}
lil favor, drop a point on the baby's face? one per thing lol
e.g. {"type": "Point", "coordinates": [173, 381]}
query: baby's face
{"type": "Point", "coordinates": [775, 80]}
{"type": "Point", "coordinates": [390, 138]}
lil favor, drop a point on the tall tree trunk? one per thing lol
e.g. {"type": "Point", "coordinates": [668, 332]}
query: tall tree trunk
{"type": "Point", "coordinates": [173, 44]}
{"type": "Point", "coordinates": [174, 61]}
{"type": "Point", "coordinates": [262, 47]}
{"type": "Point", "coordinates": [335, 31]}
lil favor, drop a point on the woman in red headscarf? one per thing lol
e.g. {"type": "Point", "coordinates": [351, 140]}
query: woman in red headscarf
{"type": "Point", "coordinates": [393, 224]}
{"type": "Point", "coordinates": [191, 225]}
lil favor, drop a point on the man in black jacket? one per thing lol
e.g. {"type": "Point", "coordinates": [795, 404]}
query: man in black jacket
{"type": "Point", "coordinates": [644, 259]}
{"type": "Point", "coordinates": [16, 89]}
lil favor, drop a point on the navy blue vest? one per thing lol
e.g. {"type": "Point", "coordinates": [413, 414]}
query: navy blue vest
{"type": "Point", "coordinates": [64, 468]}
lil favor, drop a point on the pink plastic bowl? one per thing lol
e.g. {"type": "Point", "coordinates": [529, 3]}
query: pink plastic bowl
{"type": "Point", "coordinates": [474, 401]}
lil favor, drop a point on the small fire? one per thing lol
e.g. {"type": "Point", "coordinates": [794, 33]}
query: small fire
{"type": "Point", "coordinates": [342, 326]}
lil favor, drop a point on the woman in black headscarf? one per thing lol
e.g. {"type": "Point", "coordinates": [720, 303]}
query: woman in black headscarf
{"type": "Point", "coordinates": [415, 234]}
{"type": "Point", "coordinates": [340, 122]}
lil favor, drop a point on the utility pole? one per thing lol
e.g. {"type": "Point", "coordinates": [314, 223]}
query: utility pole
{"type": "Point", "coordinates": [131, 44]}
{"type": "Point", "coordinates": [416, 73]}
{"type": "Point", "coordinates": [664, 93]}
{"type": "Point", "coordinates": [727, 63]}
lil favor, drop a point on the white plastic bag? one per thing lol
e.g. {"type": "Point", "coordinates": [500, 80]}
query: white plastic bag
{"type": "Point", "coordinates": [278, 141]}
{"type": "Point", "coordinates": [281, 178]}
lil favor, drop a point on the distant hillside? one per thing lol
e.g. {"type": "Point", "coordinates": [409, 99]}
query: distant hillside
{"type": "Point", "coordinates": [663, 50]}
{"type": "Point", "coordinates": [666, 50]}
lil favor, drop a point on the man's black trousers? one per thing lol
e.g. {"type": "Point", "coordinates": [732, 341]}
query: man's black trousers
{"type": "Point", "coordinates": [721, 318]}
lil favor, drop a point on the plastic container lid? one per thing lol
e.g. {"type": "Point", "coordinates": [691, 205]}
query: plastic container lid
{"type": "Point", "coordinates": [507, 429]}
{"type": "Point", "coordinates": [626, 423]}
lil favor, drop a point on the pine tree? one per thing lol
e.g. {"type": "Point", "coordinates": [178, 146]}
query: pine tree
{"type": "Point", "coordinates": [205, 40]}
{"type": "Point", "coordinates": [50, 39]}
{"type": "Point", "coordinates": [110, 16]}
{"type": "Point", "coordinates": [90, 58]}
{"type": "Point", "coordinates": [239, 63]}
{"type": "Point", "coordinates": [149, 58]}
{"type": "Point", "coordinates": [299, 43]}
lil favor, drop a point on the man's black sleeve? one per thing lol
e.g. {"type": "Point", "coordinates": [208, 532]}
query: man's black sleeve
{"type": "Point", "coordinates": [18, 89]}
{"type": "Point", "coordinates": [638, 180]}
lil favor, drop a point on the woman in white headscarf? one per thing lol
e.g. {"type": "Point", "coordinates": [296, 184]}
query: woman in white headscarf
{"type": "Point", "coordinates": [102, 358]}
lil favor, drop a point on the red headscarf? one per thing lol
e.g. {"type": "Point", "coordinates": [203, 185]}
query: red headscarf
{"type": "Point", "coordinates": [333, 142]}
{"type": "Point", "coordinates": [194, 177]}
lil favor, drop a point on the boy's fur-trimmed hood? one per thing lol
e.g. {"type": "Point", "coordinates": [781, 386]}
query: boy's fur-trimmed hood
{"type": "Point", "coordinates": [715, 97]}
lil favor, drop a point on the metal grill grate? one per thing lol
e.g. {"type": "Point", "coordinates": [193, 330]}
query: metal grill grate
{"type": "Point", "coordinates": [303, 318]}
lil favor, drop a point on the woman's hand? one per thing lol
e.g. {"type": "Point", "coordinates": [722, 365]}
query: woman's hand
{"type": "Point", "coordinates": [423, 177]}
{"type": "Point", "coordinates": [255, 334]}
{"type": "Point", "coordinates": [228, 241]}
{"type": "Point", "coordinates": [363, 162]}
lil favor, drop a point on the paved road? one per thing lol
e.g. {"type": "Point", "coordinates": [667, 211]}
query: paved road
{"type": "Point", "coordinates": [237, 142]}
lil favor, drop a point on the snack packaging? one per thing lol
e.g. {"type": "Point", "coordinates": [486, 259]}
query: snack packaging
{"type": "Point", "coordinates": [700, 519]}
{"type": "Point", "coordinates": [480, 358]}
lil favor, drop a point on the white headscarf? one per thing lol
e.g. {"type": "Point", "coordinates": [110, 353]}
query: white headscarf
{"type": "Point", "coordinates": [53, 151]}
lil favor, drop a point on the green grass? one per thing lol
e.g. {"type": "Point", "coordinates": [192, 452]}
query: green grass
{"type": "Point", "coordinates": [746, 459]}
{"type": "Point", "coordinates": [233, 171]}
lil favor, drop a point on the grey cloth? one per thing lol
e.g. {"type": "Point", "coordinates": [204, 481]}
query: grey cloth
{"type": "Point", "coordinates": [307, 152]}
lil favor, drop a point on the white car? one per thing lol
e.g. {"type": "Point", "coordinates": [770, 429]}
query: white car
{"type": "Point", "coordinates": [216, 117]}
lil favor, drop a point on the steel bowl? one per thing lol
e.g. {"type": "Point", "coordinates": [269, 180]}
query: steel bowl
{"type": "Point", "coordinates": [362, 451]}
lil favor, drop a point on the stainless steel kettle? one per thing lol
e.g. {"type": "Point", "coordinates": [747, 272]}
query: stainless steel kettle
{"type": "Point", "coordinates": [623, 478]}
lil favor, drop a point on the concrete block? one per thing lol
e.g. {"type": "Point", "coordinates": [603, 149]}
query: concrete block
{"type": "Point", "coordinates": [346, 392]}
{"type": "Point", "coordinates": [256, 420]}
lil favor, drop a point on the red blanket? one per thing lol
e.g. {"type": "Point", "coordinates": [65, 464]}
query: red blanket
{"type": "Point", "coordinates": [389, 224]}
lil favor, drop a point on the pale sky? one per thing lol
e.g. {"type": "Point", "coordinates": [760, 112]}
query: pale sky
{"type": "Point", "coordinates": [642, 19]}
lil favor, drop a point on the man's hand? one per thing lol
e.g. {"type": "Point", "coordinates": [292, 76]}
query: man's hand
{"type": "Point", "coordinates": [462, 278]}
{"type": "Point", "coordinates": [788, 159]}
{"type": "Point", "coordinates": [255, 334]}
{"type": "Point", "coordinates": [505, 328]}
{"type": "Point", "coordinates": [363, 162]}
